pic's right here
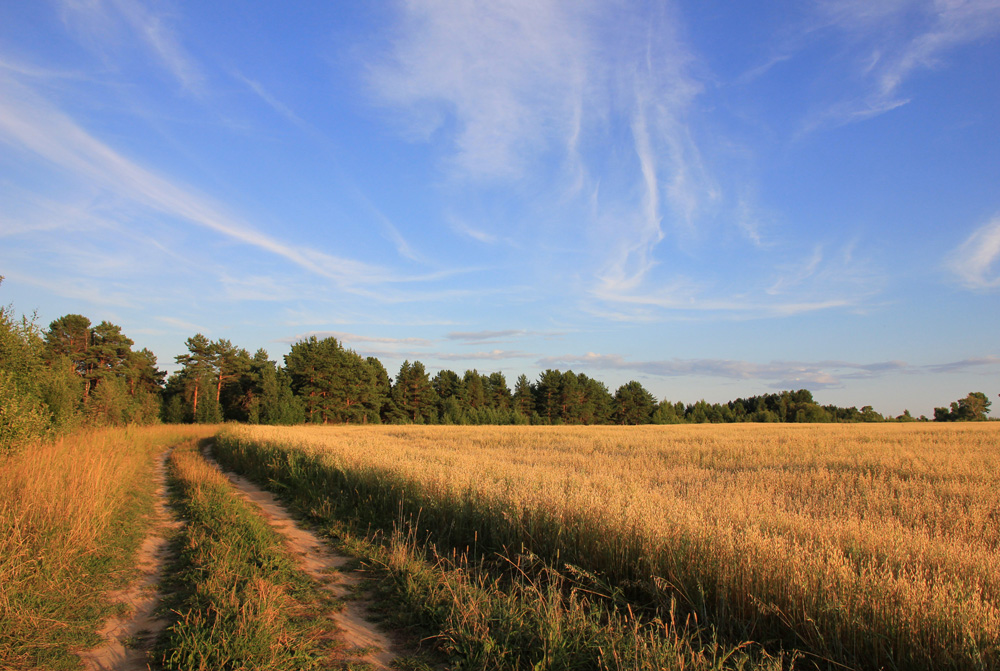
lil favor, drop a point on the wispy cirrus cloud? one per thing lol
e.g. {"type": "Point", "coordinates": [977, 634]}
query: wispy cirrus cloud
{"type": "Point", "coordinates": [492, 355]}
{"type": "Point", "coordinates": [31, 124]}
{"type": "Point", "coordinates": [975, 261]}
{"type": "Point", "coordinates": [896, 39]}
{"type": "Point", "coordinates": [83, 290]}
{"type": "Point", "coordinates": [818, 280]}
{"type": "Point", "coordinates": [106, 24]}
{"type": "Point", "coordinates": [508, 73]}
{"type": "Point", "coordinates": [532, 91]}
{"type": "Point", "coordinates": [784, 374]}
{"type": "Point", "coordinates": [356, 338]}
{"type": "Point", "coordinates": [275, 104]}
{"type": "Point", "coordinates": [480, 337]}
{"type": "Point", "coordinates": [965, 364]}
{"type": "Point", "coordinates": [183, 325]}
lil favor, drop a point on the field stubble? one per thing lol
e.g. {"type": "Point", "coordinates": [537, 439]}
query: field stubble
{"type": "Point", "coordinates": [867, 545]}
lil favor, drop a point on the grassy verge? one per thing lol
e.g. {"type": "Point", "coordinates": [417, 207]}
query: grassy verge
{"type": "Point", "coordinates": [506, 610]}
{"type": "Point", "coordinates": [73, 513]}
{"type": "Point", "coordinates": [238, 599]}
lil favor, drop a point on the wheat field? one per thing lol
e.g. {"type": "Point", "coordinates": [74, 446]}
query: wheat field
{"type": "Point", "coordinates": [869, 545]}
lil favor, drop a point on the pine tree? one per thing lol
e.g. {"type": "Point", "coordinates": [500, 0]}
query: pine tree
{"type": "Point", "coordinates": [499, 392]}
{"type": "Point", "coordinates": [413, 392]}
{"type": "Point", "coordinates": [633, 404]}
{"type": "Point", "coordinates": [524, 400]}
{"type": "Point", "coordinates": [199, 364]}
{"type": "Point", "coordinates": [549, 397]}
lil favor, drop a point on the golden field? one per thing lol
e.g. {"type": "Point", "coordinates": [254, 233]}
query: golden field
{"type": "Point", "coordinates": [874, 545]}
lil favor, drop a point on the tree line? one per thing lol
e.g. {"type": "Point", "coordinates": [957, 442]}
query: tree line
{"type": "Point", "coordinates": [75, 373]}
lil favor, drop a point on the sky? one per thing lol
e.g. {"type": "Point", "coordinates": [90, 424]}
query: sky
{"type": "Point", "coordinates": [717, 199]}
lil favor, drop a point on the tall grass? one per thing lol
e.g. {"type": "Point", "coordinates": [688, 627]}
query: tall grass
{"type": "Point", "coordinates": [871, 546]}
{"type": "Point", "coordinates": [527, 615]}
{"type": "Point", "coordinates": [238, 599]}
{"type": "Point", "coordinates": [72, 515]}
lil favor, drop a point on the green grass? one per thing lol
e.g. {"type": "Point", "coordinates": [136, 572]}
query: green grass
{"type": "Point", "coordinates": [238, 600]}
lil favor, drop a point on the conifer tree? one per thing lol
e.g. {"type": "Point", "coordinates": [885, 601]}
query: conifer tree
{"type": "Point", "coordinates": [499, 392]}
{"type": "Point", "coordinates": [524, 400]}
{"type": "Point", "coordinates": [633, 404]}
{"type": "Point", "coordinates": [199, 364]}
{"type": "Point", "coordinates": [549, 397]}
{"type": "Point", "coordinates": [413, 392]}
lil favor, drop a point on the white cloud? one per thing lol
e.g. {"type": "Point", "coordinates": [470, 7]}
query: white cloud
{"type": "Point", "coordinates": [975, 261]}
{"type": "Point", "coordinates": [106, 23]}
{"type": "Point", "coordinates": [353, 337]}
{"type": "Point", "coordinates": [482, 337]}
{"type": "Point", "coordinates": [529, 92]}
{"type": "Point", "coordinates": [186, 326]}
{"type": "Point", "coordinates": [783, 374]}
{"type": "Point", "coordinates": [82, 290]}
{"type": "Point", "coordinates": [507, 72]}
{"type": "Point", "coordinates": [274, 103]}
{"type": "Point", "coordinates": [30, 123]}
{"type": "Point", "coordinates": [492, 355]}
{"type": "Point", "coordinates": [901, 38]}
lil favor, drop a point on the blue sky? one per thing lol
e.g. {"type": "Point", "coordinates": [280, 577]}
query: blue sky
{"type": "Point", "coordinates": [717, 199]}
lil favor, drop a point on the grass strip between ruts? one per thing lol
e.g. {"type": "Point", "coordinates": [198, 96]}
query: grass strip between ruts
{"type": "Point", "coordinates": [237, 599]}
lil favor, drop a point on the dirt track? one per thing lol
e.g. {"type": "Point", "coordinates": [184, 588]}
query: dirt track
{"type": "Point", "coordinates": [128, 639]}
{"type": "Point", "coordinates": [320, 562]}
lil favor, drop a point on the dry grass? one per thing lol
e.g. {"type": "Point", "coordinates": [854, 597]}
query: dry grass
{"type": "Point", "coordinates": [872, 545]}
{"type": "Point", "coordinates": [238, 601]}
{"type": "Point", "coordinates": [72, 513]}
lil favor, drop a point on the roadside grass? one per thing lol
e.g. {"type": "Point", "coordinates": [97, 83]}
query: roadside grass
{"type": "Point", "coordinates": [73, 513]}
{"type": "Point", "coordinates": [861, 546]}
{"type": "Point", "coordinates": [237, 599]}
{"type": "Point", "coordinates": [504, 611]}
{"type": "Point", "coordinates": [519, 613]}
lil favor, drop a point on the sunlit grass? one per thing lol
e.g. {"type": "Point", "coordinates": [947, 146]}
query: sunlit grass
{"type": "Point", "coordinates": [72, 514]}
{"type": "Point", "coordinates": [867, 545]}
{"type": "Point", "coordinates": [237, 599]}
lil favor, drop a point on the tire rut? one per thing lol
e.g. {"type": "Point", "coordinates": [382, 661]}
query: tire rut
{"type": "Point", "coordinates": [129, 638]}
{"type": "Point", "coordinates": [325, 566]}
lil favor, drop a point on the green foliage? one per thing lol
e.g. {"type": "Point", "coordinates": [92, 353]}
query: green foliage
{"type": "Point", "coordinates": [413, 394]}
{"type": "Point", "coordinates": [108, 403]}
{"type": "Point", "coordinates": [22, 417]}
{"type": "Point", "coordinates": [524, 401]}
{"type": "Point", "coordinates": [336, 384]}
{"type": "Point", "coordinates": [278, 403]}
{"type": "Point", "coordinates": [69, 375]}
{"type": "Point", "coordinates": [668, 413]}
{"type": "Point", "coordinates": [633, 404]}
{"type": "Point", "coordinates": [973, 408]}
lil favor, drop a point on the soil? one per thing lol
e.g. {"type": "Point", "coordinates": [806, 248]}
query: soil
{"type": "Point", "coordinates": [129, 638]}
{"type": "Point", "coordinates": [325, 566]}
